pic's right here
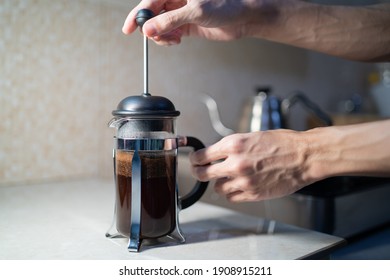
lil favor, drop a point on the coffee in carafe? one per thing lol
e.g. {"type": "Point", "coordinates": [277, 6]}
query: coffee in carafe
{"type": "Point", "coordinates": [158, 181]}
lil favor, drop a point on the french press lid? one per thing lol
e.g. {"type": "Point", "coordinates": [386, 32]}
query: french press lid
{"type": "Point", "coordinates": [145, 105]}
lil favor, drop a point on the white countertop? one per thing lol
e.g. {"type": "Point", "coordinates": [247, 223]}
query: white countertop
{"type": "Point", "coordinates": [69, 220]}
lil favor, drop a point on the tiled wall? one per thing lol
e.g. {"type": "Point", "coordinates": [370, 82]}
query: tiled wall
{"type": "Point", "coordinates": [65, 65]}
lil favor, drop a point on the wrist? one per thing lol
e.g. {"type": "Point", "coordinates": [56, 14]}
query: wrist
{"type": "Point", "coordinates": [267, 18]}
{"type": "Point", "coordinates": [323, 153]}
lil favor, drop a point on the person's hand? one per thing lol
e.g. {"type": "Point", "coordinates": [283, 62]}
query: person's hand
{"type": "Point", "coordinates": [274, 163]}
{"type": "Point", "coordinates": [220, 20]}
{"type": "Point", "coordinates": [255, 166]}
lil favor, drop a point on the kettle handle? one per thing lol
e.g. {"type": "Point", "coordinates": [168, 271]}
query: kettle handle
{"type": "Point", "coordinates": [200, 187]}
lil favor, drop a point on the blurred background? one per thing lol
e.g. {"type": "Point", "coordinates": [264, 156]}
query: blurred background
{"type": "Point", "coordinates": [65, 65]}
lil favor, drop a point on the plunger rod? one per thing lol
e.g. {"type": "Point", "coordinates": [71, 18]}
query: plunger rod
{"type": "Point", "coordinates": [141, 17]}
{"type": "Point", "coordinates": [146, 67]}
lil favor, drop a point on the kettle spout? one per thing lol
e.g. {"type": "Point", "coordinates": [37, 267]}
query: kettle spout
{"type": "Point", "coordinates": [214, 116]}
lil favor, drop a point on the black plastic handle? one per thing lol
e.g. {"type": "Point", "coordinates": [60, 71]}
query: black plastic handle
{"type": "Point", "coordinates": [142, 16]}
{"type": "Point", "coordinates": [200, 187]}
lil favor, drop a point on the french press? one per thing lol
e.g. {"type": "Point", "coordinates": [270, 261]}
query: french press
{"type": "Point", "coordinates": [145, 151]}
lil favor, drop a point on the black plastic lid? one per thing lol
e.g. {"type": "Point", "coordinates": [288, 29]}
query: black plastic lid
{"type": "Point", "coordinates": [146, 105]}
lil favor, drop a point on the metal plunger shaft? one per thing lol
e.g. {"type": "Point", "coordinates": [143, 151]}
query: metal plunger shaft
{"type": "Point", "coordinates": [146, 68]}
{"type": "Point", "coordinates": [141, 17]}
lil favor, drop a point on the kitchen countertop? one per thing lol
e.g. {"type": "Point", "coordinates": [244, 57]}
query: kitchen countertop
{"type": "Point", "coordinates": [68, 220]}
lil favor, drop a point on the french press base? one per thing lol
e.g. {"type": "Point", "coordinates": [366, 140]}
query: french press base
{"type": "Point", "coordinates": [123, 227]}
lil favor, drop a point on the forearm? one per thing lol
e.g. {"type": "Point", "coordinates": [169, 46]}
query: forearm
{"type": "Point", "coordinates": [362, 150]}
{"type": "Point", "coordinates": [357, 33]}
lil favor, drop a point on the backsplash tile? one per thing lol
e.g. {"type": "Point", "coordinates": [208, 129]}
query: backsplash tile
{"type": "Point", "coordinates": [49, 90]}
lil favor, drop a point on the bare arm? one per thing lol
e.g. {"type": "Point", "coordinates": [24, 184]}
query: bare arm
{"type": "Point", "coordinates": [357, 33]}
{"type": "Point", "coordinates": [361, 149]}
{"type": "Point", "coordinates": [270, 164]}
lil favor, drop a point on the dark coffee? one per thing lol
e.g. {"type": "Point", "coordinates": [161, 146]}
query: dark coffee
{"type": "Point", "coordinates": [158, 183]}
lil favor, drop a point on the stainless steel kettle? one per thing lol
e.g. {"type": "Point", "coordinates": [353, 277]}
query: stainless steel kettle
{"type": "Point", "coordinates": [263, 111]}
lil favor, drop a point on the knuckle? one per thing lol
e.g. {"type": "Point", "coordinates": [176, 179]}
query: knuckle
{"type": "Point", "coordinates": [241, 167]}
{"type": "Point", "coordinates": [198, 158]}
{"type": "Point", "coordinates": [247, 182]}
{"type": "Point", "coordinates": [234, 143]}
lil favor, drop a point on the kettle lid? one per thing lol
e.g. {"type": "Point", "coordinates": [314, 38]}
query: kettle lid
{"type": "Point", "coordinates": [145, 105]}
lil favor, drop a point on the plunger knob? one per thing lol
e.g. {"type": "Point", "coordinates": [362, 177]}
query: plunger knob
{"type": "Point", "coordinates": [142, 16]}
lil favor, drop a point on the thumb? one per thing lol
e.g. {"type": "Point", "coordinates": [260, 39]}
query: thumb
{"type": "Point", "coordinates": [166, 22]}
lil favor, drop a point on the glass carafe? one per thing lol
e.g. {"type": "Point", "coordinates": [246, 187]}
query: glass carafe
{"type": "Point", "coordinates": [145, 170]}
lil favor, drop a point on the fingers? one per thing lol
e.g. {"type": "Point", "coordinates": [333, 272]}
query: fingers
{"type": "Point", "coordinates": [209, 163]}
{"type": "Point", "coordinates": [129, 26]}
{"type": "Point", "coordinates": [171, 38]}
{"type": "Point", "coordinates": [166, 22]}
{"type": "Point", "coordinates": [211, 171]}
{"type": "Point", "coordinates": [222, 159]}
{"type": "Point", "coordinates": [210, 154]}
{"type": "Point", "coordinates": [236, 189]}
{"type": "Point", "coordinates": [162, 23]}
{"type": "Point", "coordinates": [243, 197]}
{"type": "Point", "coordinates": [226, 185]}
